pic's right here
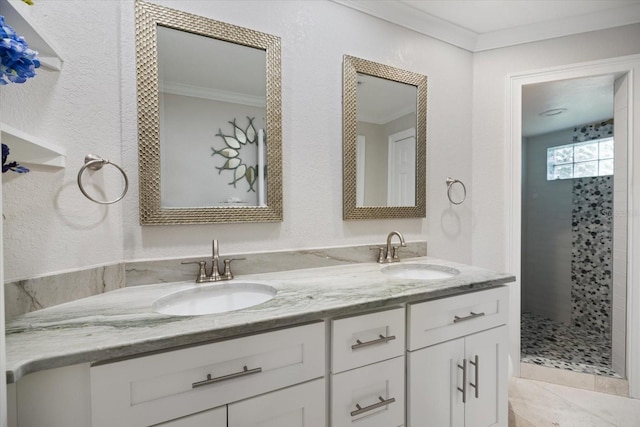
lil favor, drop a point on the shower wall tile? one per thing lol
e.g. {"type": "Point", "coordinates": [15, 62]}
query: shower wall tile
{"type": "Point", "coordinates": [592, 258]}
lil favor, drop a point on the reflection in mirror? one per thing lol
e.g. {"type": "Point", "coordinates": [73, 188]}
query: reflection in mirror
{"type": "Point", "coordinates": [384, 115]}
{"type": "Point", "coordinates": [212, 119]}
{"type": "Point", "coordinates": [208, 98]}
{"type": "Point", "coordinates": [386, 148]}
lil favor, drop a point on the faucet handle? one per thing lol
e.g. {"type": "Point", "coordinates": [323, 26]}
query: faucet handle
{"type": "Point", "coordinates": [380, 253]}
{"type": "Point", "coordinates": [227, 267]}
{"type": "Point", "coordinates": [202, 271]}
{"type": "Point", "coordinates": [394, 252]}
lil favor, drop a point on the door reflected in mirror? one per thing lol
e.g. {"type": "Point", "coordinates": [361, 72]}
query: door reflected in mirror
{"type": "Point", "coordinates": [212, 121]}
{"type": "Point", "coordinates": [384, 141]}
{"type": "Point", "coordinates": [209, 120]}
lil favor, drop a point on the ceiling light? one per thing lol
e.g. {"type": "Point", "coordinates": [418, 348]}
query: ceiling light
{"type": "Point", "coordinates": [553, 112]}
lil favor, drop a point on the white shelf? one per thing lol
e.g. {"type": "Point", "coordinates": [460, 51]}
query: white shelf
{"type": "Point", "coordinates": [18, 15]}
{"type": "Point", "coordinates": [29, 149]}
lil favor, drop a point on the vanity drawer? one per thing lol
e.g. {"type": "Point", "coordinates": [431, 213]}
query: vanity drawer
{"type": "Point", "coordinates": [365, 339]}
{"type": "Point", "coordinates": [444, 319]}
{"type": "Point", "coordinates": [371, 396]}
{"type": "Point", "coordinates": [153, 389]}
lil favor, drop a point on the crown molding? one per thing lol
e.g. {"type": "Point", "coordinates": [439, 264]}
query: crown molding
{"type": "Point", "coordinates": [625, 15]}
{"type": "Point", "coordinates": [408, 17]}
{"type": "Point", "coordinates": [383, 119]}
{"type": "Point", "coordinates": [212, 94]}
{"type": "Point", "coordinates": [416, 20]}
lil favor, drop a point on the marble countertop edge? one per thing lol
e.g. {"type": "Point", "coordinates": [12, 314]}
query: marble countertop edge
{"type": "Point", "coordinates": [99, 330]}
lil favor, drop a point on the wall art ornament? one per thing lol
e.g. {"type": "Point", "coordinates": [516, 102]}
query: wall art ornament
{"type": "Point", "coordinates": [234, 143]}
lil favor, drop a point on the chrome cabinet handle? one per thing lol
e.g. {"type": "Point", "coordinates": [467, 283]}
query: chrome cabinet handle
{"type": "Point", "coordinates": [476, 365]}
{"type": "Point", "coordinates": [464, 380]}
{"type": "Point", "coordinates": [473, 315]}
{"type": "Point", "coordinates": [382, 339]}
{"type": "Point", "coordinates": [210, 380]}
{"type": "Point", "coordinates": [377, 405]}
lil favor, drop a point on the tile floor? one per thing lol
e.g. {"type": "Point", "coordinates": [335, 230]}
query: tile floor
{"type": "Point", "coordinates": [592, 394]}
{"type": "Point", "coordinates": [539, 404]}
{"type": "Point", "coordinates": [554, 344]}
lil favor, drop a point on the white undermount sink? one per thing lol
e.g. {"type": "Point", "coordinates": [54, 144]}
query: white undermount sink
{"type": "Point", "coordinates": [214, 298]}
{"type": "Point", "coordinates": [419, 271]}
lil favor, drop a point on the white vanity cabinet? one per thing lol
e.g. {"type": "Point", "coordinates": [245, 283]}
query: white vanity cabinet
{"type": "Point", "coordinates": [457, 361]}
{"type": "Point", "coordinates": [368, 370]}
{"type": "Point", "coordinates": [154, 389]}
{"type": "Point", "coordinates": [437, 363]}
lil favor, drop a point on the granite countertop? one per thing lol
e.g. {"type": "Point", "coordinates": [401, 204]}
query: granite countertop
{"type": "Point", "coordinates": [121, 323]}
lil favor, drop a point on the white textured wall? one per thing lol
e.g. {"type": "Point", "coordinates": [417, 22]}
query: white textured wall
{"type": "Point", "coordinates": [546, 236]}
{"type": "Point", "coordinates": [315, 36]}
{"type": "Point", "coordinates": [49, 226]}
{"type": "Point", "coordinates": [489, 145]}
{"type": "Point", "coordinates": [90, 106]}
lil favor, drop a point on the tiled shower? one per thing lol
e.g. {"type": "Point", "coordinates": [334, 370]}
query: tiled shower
{"type": "Point", "coordinates": [568, 266]}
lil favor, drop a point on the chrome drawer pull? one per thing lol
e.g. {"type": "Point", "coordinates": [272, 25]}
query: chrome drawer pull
{"type": "Point", "coordinates": [473, 315]}
{"type": "Point", "coordinates": [380, 340]}
{"type": "Point", "coordinates": [476, 386]}
{"type": "Point", "coordinates": [210, 380]}
{"type": "Point", "coordinates": [464, 380]}
{"type": "Point", "coordinates": [380, 404]}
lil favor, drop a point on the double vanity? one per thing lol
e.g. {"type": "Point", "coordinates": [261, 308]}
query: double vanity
{"type": "Point", "coordinates": [413, 343]}
{"type": "Point", "coordinates": [418, 342]}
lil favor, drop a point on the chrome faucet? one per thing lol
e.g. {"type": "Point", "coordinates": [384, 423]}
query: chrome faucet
{"type": "Point", "coordinates": [215, 270]}
{"type": "Point", "coordinates": [215, 275]}
{"type": "Point", "coordinates": [390, 253]}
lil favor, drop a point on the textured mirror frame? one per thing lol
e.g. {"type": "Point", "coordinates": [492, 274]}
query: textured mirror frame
{"type": "Point", "coordinates": [351, 67]}
{"type": "Point", "coordinates": [148, 17]}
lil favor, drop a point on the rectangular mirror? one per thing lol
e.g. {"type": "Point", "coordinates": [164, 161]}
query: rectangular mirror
{"type": "Point", "coordinates": [384, 146]}
{"type": "Point", "coordinates": [209, 120]}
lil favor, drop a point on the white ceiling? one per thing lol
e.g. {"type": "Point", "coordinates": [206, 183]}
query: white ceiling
{"type": "Point", "coordinates": [381, 101]}
{"type": "Point", "coordinates": [486, 16]}
{"type": "Point", "coordinates": [478, 25]}
{"type": "Point", "coordinates": [587, 100]}
{"type": "Point", "coordinates": [225, 72]}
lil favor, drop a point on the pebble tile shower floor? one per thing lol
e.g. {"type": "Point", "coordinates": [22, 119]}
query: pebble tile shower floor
{"type": "Point", "coordinates": [554, 344]}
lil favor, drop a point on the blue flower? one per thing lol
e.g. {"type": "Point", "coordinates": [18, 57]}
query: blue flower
{"type": "Point", "coordinates": [17, 61]}
{"type": "Point", "coordinates": [13, 166]}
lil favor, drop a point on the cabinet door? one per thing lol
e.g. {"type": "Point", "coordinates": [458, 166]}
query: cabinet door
{"type": "Point", "coordinates": [433, 378]}
{"type": "Point", "coordinates": [487, 366]}
{"type": "Point", "coordinates": [212, 418]}
{"type": "Point", "coordinates": [298, 406]}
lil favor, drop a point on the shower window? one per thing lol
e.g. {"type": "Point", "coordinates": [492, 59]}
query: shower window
{"type": "Point", "coordinates": [582, 159]}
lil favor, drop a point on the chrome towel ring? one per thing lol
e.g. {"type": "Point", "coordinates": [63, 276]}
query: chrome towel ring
{"type": "Point", "coordinates": [450, 182]}
{"type": "Point", "coordinates": [93, 162]}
